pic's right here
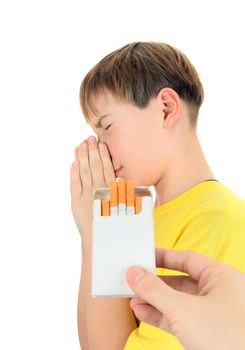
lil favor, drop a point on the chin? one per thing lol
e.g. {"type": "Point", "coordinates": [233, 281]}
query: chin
{"type": "Point", "coordinates": [139, 181]}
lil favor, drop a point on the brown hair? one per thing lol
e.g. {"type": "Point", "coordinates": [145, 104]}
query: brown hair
{"type": "Point", "coordinates": [137, 72]}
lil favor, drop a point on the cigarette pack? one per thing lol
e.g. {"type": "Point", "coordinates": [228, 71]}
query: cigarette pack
{"type": "Point", "coordinates": [121, 241]}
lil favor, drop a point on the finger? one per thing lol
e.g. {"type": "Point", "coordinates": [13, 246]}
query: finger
{"type": "Point", "coordinates": [136, 301]}
{"type": "Point", "coordinates": [150, 288]}
{"type": "Point", "coordinates": [149, 314]}
{"type": "Point", "coordinates": [76, 153]}
{"type": "Point", "coordinates": [75, 182]}
{"type": "Point", "coordinates": [109, 174]}
{"type": "Point", "coordinates": [185, 261]}
{"type": "Point", "coordinates": [85, 174]}
{"type": "Point", "coordinates": [184, 284]}
{"type": "Point", "coordinates": [95, 163]}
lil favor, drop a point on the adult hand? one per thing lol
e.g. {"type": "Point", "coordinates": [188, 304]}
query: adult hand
{"type": "Point", "coordinates": [92, 169]}
{"type": "Point", "coordinates": [205, 310]}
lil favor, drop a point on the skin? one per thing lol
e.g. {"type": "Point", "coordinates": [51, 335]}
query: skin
{"type": "Point", "coordinates": [205, 310]}
{"type": "Point", "coordinates": [93, 169]}
{"type": "Point", "coordinates": [127, 134]}
{"type": "Point", "coordinates": [131, 132]}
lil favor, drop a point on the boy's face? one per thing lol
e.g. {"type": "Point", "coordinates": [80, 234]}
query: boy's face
{"type": "Point", "coordinates": [134, 137]}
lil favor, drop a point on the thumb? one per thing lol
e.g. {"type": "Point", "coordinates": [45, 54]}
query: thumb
{"type": "Point", "coordinates": [153, 290]}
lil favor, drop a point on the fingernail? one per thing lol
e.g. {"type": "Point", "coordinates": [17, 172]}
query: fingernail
{"type": "Point", "coordinates": [91, 139]}
{"type": "Point", "coordinates": [134, 274]}
{"type": "Point", "coordinates": [101, 146]}
{"type": "Point", "coordinates": [84, 146]}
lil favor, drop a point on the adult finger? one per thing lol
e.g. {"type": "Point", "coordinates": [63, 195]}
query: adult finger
{"type": "Point", "coordinates": [152, 289]}
{"type": "Point", "coordinates": [185, 261]}
{"type": "Point", "coordinates": [149, 314]}
{"type": "Point", "coordinates": [184, 284]}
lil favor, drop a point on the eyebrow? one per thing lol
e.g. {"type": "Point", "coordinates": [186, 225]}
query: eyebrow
{"type": "Point", "coordinates": [98, 125]}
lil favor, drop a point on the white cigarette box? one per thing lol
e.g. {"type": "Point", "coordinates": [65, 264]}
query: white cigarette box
{"type": "Point", "coordinates": [121, 241]}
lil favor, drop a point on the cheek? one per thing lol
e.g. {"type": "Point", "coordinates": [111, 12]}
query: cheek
{"type": "Point", "coordinates": [145, 161]}
{"type": "Point", "coordinates": [120, 147]}
{"type": "Point", "coordinates": [137, 153]}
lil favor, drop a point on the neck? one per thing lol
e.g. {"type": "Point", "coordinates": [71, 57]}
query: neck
{"type": "Point", "coordinates": [188, 169]}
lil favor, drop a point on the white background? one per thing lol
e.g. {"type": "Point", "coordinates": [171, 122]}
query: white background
{"type": "Point", "coordinates": [46, 48]}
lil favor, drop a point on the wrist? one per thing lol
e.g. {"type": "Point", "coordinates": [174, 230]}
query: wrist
{"type": "Point", "coordinates": [86, 243]}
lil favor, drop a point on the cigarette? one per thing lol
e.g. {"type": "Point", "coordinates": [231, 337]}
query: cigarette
{"type": "Point", "coordinates": [113, 198]}
{"type": "Point", "coordinates": [138, 205]}
{"type": "Point", "coordinates": [105, 207]}
{"type": "Point", "coordinates": [130, 197]}
{"type": "Point", "coordinates": [121, 197]}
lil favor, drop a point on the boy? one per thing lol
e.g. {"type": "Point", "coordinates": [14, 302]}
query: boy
{"type": "Point", "coordinates": [142, 101]}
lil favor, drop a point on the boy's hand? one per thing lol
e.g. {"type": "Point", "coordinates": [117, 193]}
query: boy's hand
{"type": "Point", "coordinates": [92, 169]}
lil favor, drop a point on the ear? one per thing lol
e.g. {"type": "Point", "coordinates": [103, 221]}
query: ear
{"type": "Point", "coordinates": [169, 102]}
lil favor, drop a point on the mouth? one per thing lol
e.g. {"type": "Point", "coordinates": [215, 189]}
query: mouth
{"type": "Point", "coordinates": [118, 171]}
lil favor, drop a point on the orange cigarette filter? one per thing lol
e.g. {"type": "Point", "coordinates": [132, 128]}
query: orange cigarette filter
{"type": "Point", "coordinates": [105, 207]}
{"type": "Point", "coordinates": [113, 194]}
{"type": "Point", "coordinates": [121, 191]}
{"type": "Point", "coordinates": [138, 205]}
{"type": "Point", "coordinates": [130, 193]}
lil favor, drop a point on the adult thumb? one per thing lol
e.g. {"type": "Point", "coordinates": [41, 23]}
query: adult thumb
{"type": "Point", "coordinates": [152, 289]}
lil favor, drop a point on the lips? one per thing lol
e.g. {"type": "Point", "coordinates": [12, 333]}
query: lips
{"type": "Point", "coordinates": [117, 172]}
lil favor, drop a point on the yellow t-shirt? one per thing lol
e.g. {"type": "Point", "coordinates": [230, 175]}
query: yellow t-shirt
{"type": "Point", "coordinates": [209, 219]}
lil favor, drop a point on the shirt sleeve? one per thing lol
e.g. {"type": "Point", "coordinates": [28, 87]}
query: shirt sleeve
{"type": "Point", "coordinates": [218, 235]}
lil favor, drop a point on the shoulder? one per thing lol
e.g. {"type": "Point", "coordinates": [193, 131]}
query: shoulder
{"type": "Point", "coordinates": [218, 202]}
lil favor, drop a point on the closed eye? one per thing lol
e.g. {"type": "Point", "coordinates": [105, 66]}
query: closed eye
{"type": "Point", "coordinates": [108, 127]}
